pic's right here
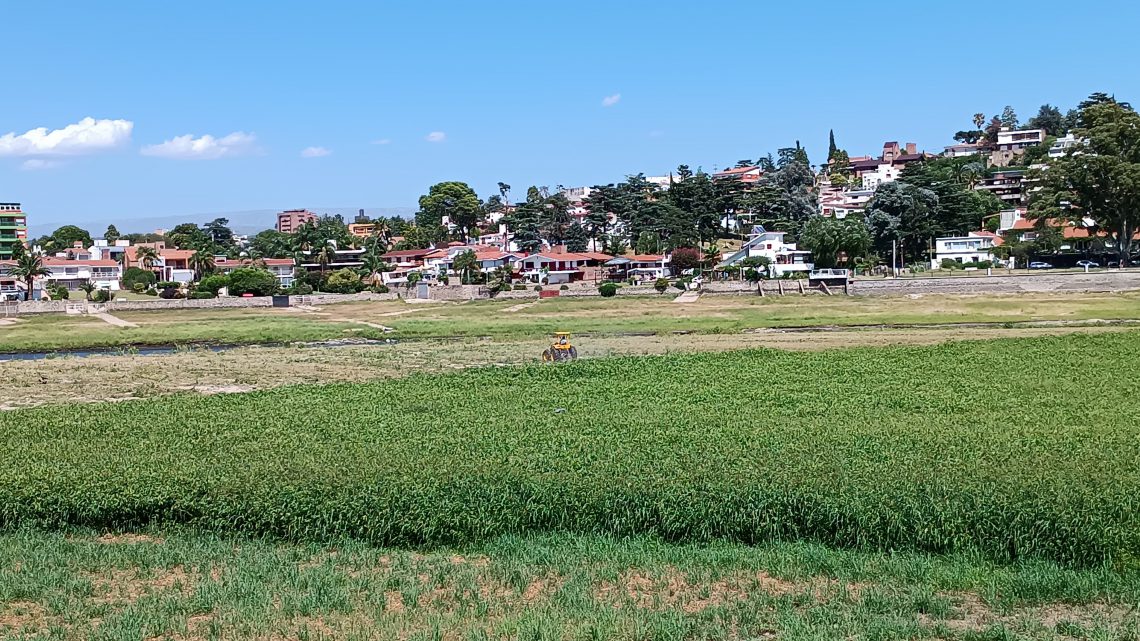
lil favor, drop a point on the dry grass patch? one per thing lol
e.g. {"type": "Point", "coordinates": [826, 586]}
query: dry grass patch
{"type": "Point", "coordinates": [121, 587]}
{"type": "Point", "coordinates": [672, 589]}
{"type": "Point", "coordinates": [23, 617]}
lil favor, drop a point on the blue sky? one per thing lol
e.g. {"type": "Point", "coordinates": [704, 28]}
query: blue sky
{"type": "Point", "coordinates": [514, 90]}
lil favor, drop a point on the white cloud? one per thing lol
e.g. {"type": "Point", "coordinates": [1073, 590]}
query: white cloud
{"type": "Point", "coordinates": [382, 141]}
{"type": "Point", "coordinates": [205, 148]}
{"type": "Point", "coordinates": [610, 101]}
{"type": "Point", "coordinates": [315, 152]}
{"type": "Point", "coordinates": [34, 164]}
{"type": "Point", "coordinates": [84, 137]}
{"type": "Point", "coordinates": [436, 136]}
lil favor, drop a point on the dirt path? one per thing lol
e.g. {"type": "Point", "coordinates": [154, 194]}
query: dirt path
{"type": "Point", "coordinates": [69, 380]}
{"type": "Point", "coordinates": [114, 320]}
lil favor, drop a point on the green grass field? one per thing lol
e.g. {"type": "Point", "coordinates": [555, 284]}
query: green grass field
{"type": "Point", "coordinates": [179, 586]}
{"type": "Point", "coordinates": [972, 491]}
{"type": "Point", "coordinates": [514, 319]}
{"type": "Point", "coordinates": [894, 448]}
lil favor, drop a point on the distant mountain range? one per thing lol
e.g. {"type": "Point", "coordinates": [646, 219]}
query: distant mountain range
{"type": "Point", "coordinates": [242, 222]}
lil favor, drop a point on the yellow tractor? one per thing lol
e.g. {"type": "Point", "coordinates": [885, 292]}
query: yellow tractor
{"type": "Point", "coordinates": [560, 350]}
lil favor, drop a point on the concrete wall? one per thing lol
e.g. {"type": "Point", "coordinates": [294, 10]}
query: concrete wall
{"type": "Point", "coordinates": [1107, 281]}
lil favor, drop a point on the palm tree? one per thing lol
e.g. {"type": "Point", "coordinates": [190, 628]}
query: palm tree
{"type": "Point", "coordinates": [373, 264]}
{"type": "Point", "coordinates": [201, 262]}
{"type": "Point", "coordinates": [29, 267]}
{"type": "Point", "coordinates": [88, 288]}
{"type": "Point", "coordinates": [325, 256]}
{"type": "Point", "coordinates": [970, 172]}
{"type": "Point", "coordinates": [147, 257]}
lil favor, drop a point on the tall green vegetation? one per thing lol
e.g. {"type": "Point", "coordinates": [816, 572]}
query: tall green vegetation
{"type": "Point", "coordinates": [760, 446]}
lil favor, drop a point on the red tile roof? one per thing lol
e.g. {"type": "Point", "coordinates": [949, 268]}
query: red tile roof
{"type": "Point", "coordinates": [66, 262]}
{"type": "Point", "coordinates": [408, 253]}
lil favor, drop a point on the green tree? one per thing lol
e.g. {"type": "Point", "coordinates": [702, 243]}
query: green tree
{"type": "Point", "coordinates": [65, 237]}
{"type": "Point", "coordinates": [1103, 181]}
{"type": "Point", "coordinates": [134, 275]}
{"type": "Point", "coordinates": [344, 281]}
{"type": "Point", "coordinates": [467, 265]}
{"type": "Point", "coordinates": [831, 148]}
{"type": "Point", "coordinates": [648, 243]}
{"type": "Point", "coordinates": [146, 257]}
{"type": "Point", "coordinates": [554, 218]}
{"type": "Point", "coordinates": [202, 263]}
{"type": "Point", "coordinates": [827, 238]}
{"type": "Point", "coordinates": [219, 233]}
{"type": "Point", "coordinates": [1050, 119]}
{"type": "Point", "coordinates": [576, 238]}
{"type": "Point", "coordinates": [902, 212]}
{"type": "Point", "coordinates": [187, 236]}
{"type": "Point", "coordinates": [112, 234]}
{"type": "Point", "coordinates": [1009, 118]}
{"type": "Point", "coordinates": [272, 244]}
{"type": "Point", "coordinates": [213, 283]}
{"type": "Point", "coordinates": [29, 267]}
{"type": "Point", "coordinates": [250, 280]}
{"type": "Point", "coordinates": [979, 120]}
{"type": "Point", "coordinates": [453, 199]}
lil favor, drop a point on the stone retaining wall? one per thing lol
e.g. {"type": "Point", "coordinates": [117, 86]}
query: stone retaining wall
{"type": "Point", "coordinates": [1107, 281]}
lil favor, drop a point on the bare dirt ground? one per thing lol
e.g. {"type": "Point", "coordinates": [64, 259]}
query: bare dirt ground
{"type": "Point", "coordinates": [67, 380]}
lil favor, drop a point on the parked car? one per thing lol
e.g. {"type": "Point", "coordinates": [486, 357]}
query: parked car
{"type": "Point", "coordinates": [1039, 265]}
{"type": "Point", "coordinates": [1088, 263]}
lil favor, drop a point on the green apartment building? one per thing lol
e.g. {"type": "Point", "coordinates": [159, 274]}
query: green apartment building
{"type": "Point", "coordinates": [13, 228]}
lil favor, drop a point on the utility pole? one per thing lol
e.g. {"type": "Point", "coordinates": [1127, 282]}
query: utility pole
{"type": "Point", "coordinates": [894, 258]}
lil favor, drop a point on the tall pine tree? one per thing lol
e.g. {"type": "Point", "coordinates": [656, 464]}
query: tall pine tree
{"type": "Point", "coordinates": [831, 148]}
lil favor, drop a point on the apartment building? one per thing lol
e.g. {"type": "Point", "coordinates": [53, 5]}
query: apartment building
{"type": "Point", "coordinates": [1011, 144]}
{"type": "Point", "coordinates": [13, 228]}
{"type": "Point", "coordinates": [1007, 185]}
{"type": "Point", "coordinates": [290, 220]}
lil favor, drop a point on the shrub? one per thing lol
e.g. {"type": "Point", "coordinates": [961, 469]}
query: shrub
{"type": "Point", "coordinates": [137, 275]}
{"type": "Point", "coordinates": [169, 293]}
{"type": "Point", "coordinates": [685, 258]}
{"type": "Point", "coordinates": [661, 284]}
{"type": "Point", "coordinates": [344, 281]}
{"type": "Point", "coordinates": [380, 289]}
{"type": "Point", "coordinates": [102, 296]}
{"type": "Point", "coordinates": [138, 288]}
{"type": "Point", "coordinates": [519, 288]}
{"type": "Point", "coordinates": [200, 295]}
{"type": "Point", "coordinates": [564, 288]}
{"type": "Point", "coordinates": [303, 288]}
{"type": "Point", "coordinates": [608, 289]}
{"type": "Point", "coordinates": [151, 292]}
{"type": "Point", "coordinates": [168, 284]}
{"type": "Point", "coordinates": [679, 284]}
{"type": "Point", "coordinates": [213, 284]}
{"type": "Point", "coordinates": [58, 292]}
{"type": "Point", "coordinates": [538, 288]}
{"type": "Point", "coordinates": [951, 264]}
{"type": "Point", "coordinates": [249, 280]}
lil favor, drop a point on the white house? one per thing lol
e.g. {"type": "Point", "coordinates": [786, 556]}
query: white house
{"type": "Point", "coordinates": [784, 257]}
{"type": "Point", "coordinates": [971, 248]}
{"type": "Point", "coordinates": [1063, 144]}
{"type": "Point", "coordinates": [103, 274]}
{"type": "Point", "coordinates": [557, 265]}
{"type": "Point", "coordinates": [283, 269]}
{"type": "Point", "coordinates": [101, 249]}
{"type": "Point", "coordinates": [884, 173]}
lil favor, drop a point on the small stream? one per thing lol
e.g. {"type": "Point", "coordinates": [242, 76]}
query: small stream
{"type": "Point", "coordinates": [159, 350]}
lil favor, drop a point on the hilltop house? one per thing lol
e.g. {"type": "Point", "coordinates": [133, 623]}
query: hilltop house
{"type": "Point", "coordinates": [784, 257]}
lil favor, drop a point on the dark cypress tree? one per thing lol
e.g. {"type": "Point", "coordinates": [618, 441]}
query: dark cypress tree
{"type": "Point", "coordinates": [831, 148]}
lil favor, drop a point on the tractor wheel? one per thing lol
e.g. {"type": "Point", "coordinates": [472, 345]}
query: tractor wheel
{"type": "Point", "coordinates": [547, 355]}
{"type": "Point", "coordinates": [573, 354]}
{"type": "Point", "coordinates": [559, 355]}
